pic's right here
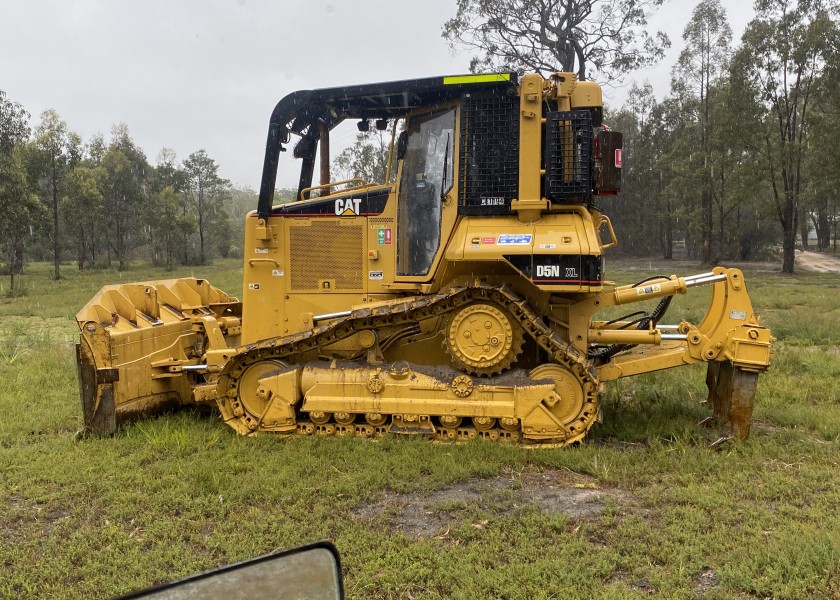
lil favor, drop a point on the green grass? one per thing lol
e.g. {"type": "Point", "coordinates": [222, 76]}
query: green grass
{"type": "Point", "coordinates": [182, 493]}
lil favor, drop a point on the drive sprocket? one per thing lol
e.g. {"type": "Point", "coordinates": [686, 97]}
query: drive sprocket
{"type": "Point", "coordinates": [482, 339]}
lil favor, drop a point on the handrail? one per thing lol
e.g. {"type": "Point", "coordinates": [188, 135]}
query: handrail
{"type": "Point", "coordinates": [605, 220]}
{"type": "Point", "coordinates": [361, 183]}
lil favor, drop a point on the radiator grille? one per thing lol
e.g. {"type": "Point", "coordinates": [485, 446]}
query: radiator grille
{"type": "Point", "coordinates": [326, 250]}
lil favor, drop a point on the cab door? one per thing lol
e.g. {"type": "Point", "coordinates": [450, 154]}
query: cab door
{"type": "Point", "coordinates": [425, 180]}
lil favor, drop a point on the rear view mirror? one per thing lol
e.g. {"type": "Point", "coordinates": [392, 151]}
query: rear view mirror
{"type": "Point", "coordinates": [402, 145]}
{"type": "Point", "coordinates": [308, 573]}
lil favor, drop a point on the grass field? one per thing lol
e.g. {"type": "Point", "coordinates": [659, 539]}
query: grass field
{"type": "Point", "coordinates": [643, 508]}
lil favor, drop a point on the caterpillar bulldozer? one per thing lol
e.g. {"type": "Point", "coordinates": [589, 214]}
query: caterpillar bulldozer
{"type": "Point", "coordinates": [454, 299]}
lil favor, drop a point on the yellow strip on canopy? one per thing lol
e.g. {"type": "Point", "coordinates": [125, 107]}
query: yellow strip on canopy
{"type": "Point", "coordinates": [476, 78]}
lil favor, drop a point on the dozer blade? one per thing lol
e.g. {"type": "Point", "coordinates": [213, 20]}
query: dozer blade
{"type": "Point", "coordinates": [732, 395]}
{"type": "Point", "coordinates": [96, 391]}
{"type": "Point", "coordinates": [142, 346]}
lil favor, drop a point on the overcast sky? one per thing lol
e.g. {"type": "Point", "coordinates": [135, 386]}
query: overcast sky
{"type": "Point", "coordinates": [191, 74]}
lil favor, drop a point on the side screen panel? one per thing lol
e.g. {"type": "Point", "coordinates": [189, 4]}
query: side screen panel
{"type": "Point", "coordinates": [489, 160]}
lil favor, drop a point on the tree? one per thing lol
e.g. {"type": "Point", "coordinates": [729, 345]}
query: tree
{"type": "Point", "coordinates": [366, 159]}
{"type": "Point", "coordinates": [168, 221]}
{"type": "Point", "coordinates": [635, 210]}
{"type": "Point", "coordinates": [19, 209]}
{"type": "Point", "coordinates": [123, 189]}
{"type": "Point", "coordinates": [606, 38]}
{"type": "Point", "coordinates": [17, 205]}
{"type": "Point", "coordinates": [165, 207]}
{"type": "Point", "coordinates": [822, 193]}
{"type": "Point", "coordinates": [84, 210]}
{"type": "Point", "coordinates": [56, 151]}
{"type": "Point", "coordinates": [783, 55]}
{"type": "Point", "coordinates": [207, 191]}
{"type": "Point", "coordinates": [700, 68]}
{"type": "Point", "coordinates": [14, 124]}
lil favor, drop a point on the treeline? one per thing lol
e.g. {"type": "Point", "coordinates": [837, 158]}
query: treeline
{"type": "Point", "coordinates": [740, 160]}
{"type": "Point", "coordinates": [101, 203]}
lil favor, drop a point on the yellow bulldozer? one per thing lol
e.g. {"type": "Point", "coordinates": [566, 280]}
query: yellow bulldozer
{"type": "Point", "coordinates": [455, 299]}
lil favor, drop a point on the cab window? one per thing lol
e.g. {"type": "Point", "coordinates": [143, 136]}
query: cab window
{"type": "Point", "coordinates": [426, 178]}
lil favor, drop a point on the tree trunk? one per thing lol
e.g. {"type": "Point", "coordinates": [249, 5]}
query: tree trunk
{"type": "Point", "coordinates": [169, 251]}
{"type": "Point", "coordinates": [668, 254]}
{"type": "Point", "coordinates": [81, 256]}
{"type": "Point", "coordinates": [56, 241]}
{"type": "Point", "coordinates": [201, 239]}
{"type": "Point", "coordinates": [707, 225]}
{"type": "Point", "coordinates": [789, 227]}
{"type": "Point", "coordinates": [11, 270]}
{"type": "Point", "coordinates": [16, 263]}
{"type": "Point", "coordinates": [822, 226]}
{"type": "Point", "coordinates": [119, 250]}
{"type": "Point", "coordinates": [803, 228]}
{"type": "Point", "coordinates": [92, 248]}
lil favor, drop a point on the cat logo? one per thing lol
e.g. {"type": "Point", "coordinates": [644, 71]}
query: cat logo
{"type": "Point", "coordinates": [347, 207]}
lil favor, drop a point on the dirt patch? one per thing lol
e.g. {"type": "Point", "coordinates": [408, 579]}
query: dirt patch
{"type": "Point", "coordinates": [705, 580]}
{"type": "Point", "coordinates": [21, 515]}
{"type": "Point", "coordinates": [817, 261]}
{"type": "Point", "coordinates": [563, 492]}
{"type": "Point", "coordinates": [434, 513]}
{"type": "Point", "coordinates": [637, 585]}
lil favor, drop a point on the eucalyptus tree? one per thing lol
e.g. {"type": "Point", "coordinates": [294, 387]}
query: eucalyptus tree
{"type": "Point", "coordinates": [678, 165]}
{"type": "Point", "coordinates": [745, 226]}
{"type": "Point", "coordinates": [165, 207]}
{"type": "Point", "coordinates": [700, 69]}
{"type": "Point", "coordinates": [18, 206]}
{"type": "Point", "coordinates": [84, 211]}
{"type": "Point", "coordinates": [822, 189]}
{"type": "Point", "coordinates": [634, 211]}
{"type": "Point", "coordinates": [125, 171]}
{"type": "Point", "coordinates": [207, 191]}
{"type": "Point", "coordinates": [14, 124]}
{"type": "Point", "coordinates": [367, 158]}
{"type": "Point", "coordinates": [56, 151]}
{"type": "Point", "coordinates": [593, 38]}
{"type": "Point", "coordinates": [784, 53]}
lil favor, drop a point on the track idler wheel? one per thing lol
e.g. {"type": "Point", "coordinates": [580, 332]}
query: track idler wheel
{"type": "Point", "coordinates": [482, 339]}
{"type": "Point", "coordinates": [566, 413]}
{"type": "Point", "coordinates": [732, 396]}
{"type": "Point", "coordinates": [262, 396]}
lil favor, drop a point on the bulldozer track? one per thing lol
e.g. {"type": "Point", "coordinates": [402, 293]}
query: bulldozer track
{"type": "Point", "coordinates": [305, 346]}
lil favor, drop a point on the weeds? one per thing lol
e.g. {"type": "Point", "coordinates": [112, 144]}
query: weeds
{"type": "Point", "coordinates": [12, 350]}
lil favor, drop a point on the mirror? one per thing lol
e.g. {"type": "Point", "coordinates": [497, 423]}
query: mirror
{"type": "Point", "coordinates": [402, 145]}
{"type": "Point", "coordinates": [308, 573]}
